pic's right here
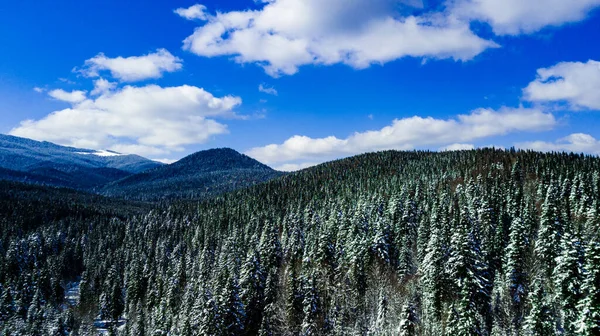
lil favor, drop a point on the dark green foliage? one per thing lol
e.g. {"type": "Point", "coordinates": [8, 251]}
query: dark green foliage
{"type": "Point", "coordinates": [482, 242]}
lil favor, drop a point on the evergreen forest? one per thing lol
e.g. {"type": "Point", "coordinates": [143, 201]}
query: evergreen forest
{"type": "Point", "coordinates": [480, 242]}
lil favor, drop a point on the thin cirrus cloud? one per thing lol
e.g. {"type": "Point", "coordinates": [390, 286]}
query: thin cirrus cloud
{"type": "Point", "coordinates": [133, 68]}
{"type": "Point", "coordinates": [286, 34]}
{"type": "Point", "coordinates": [148, 120]}
{"type": "Point", "coordinates": [576, 143]}
{"type": "Point", "coordinates": [405, 134]}
{"type": "Point", "coordinates": [515, 17]}
{"type": "Point", "coordinates": [575, 83]}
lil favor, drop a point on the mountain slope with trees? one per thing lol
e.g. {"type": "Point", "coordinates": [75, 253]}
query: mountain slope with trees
{"type": "Point", "coordinates": [200, 175]}
{"type": "Point", "coordinates": [485, 242]}
{"type": "Point", "coordinates": [45, 163]}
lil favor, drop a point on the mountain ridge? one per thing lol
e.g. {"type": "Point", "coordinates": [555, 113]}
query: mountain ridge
{"type": "Point", "coordinates": [201, 174]}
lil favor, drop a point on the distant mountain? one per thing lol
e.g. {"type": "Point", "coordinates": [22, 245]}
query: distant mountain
{"type": "Point", "coordinates": [21, 154]}
{"type": "Point", "coordinates": [200, 175]}
{"type": "Point", "coordinates": [36, 162]}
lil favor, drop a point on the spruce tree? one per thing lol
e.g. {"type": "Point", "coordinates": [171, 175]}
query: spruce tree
{"type": "Point", "coordinates": [589, 307]}
{"type": "Point", "coordinates": [568, 278]}
{"type": "Point", "coordinates": [540, 321]}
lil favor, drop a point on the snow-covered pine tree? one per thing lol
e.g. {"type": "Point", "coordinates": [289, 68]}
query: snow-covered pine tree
{"type": "Point", "coordinates": [541, 319]}
{"type": "Point", "coordinates": [409, 321]}
{"type": "Point", "coordinates": [516, 272]}
{"type": "Point", "coordinates": [568, 278]}
{"type": "Point", "coordinates": [549, 233]}
{"type": "Point", "coordinates": [589, 307]}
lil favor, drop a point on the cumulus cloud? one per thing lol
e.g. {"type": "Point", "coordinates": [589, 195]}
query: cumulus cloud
{"type": "Point", "coordinates": [102, 85]}
{"type": "Point", "coordinates": [75, 96]}
{"type": "Point", "coordinates": [268, 90]}
{"type": "Point", "coordinates": [38, 89]}
{"type": "Point", "coordinates": [134, 68]}
{"type": "Point", "coordinates": [577, 143]}
{"type": "Point", "coordinates": [513, 17]}
{"type": "Point", "coordinates": [408, 133]}
{"type": "Point", "coordinates": [148, 120]}
{"type": "Point", "coordinates": [195, 12]}
{"type": "Point", "coordinates": [575, 83]}
{"type": "Point", "coordinates": [286, 34]}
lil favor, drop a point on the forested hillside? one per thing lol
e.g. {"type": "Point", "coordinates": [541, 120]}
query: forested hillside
{"type": "Point", "coordinates": [197, 176]}
{"type": "Point", "coordinates": [484, 242]}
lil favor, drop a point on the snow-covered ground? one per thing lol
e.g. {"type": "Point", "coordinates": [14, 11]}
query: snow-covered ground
{"type": "Point", "coordinates": [72, 293]}
{"type": "Point", "coordinates": [102, 326]}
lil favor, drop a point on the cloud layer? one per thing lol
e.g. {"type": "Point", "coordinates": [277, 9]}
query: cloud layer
{"type": "Point", "coordinates": [408, 133]}
{"type": "Point", "coordinates": [286, 34]}
{"type": "Point", "coordinates": [148, 120]}
{"type": "Point", "coordinates": [134, 68]}
{"type": "Point", "coordinates": [575, 83]}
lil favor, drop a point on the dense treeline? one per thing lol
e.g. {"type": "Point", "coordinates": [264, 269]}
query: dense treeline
{"type": "Point", "coordinates": [484, 242]}
{"type": "Point", "coordinates": [43, 234]}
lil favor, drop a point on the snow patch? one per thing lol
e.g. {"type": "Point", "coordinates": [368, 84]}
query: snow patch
{"type": "Point", "coordinates": [103, 153]}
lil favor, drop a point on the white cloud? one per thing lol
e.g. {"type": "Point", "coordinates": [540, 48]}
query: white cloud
{"type": "Point", "coordinates": [457, 147]}
{"type": "Point", "coordinates": [75, 96]}
{"type": "Point", "coordinates": [408, 133]}
{"type": "Point", "coordinates": [268, 90]}
{"type": "Point", "coordinates": [576, 83]}
{"type": "Point", "coordinates": [286, 34]}
{"type": "Point", "coordinates": [39, 89]}
{"type": "Point", "coordinates": [148, 120]}
{"type": "Point", "coordinates": [513, 17]}
{"type": "Point", "coordinates": [290, 167]}
{"type": "Point", "coordinates": [134, 68]}
{"type": "Point", "coordinates": [577, 143]}
{"type": "Point", "coordinates": [195, 12]}
{"type": "Point", "coordinates": [101, 86]}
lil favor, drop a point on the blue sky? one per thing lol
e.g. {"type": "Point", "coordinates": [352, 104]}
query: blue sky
{"type": "Point", "coordinates": [164, 79]}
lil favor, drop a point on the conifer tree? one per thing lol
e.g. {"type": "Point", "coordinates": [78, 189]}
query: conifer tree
{"type": "Point", "coordinates": [540, 320]}
{"type": "Point", "coordinates": [233, 313]}
{"type": "Point", "coordinates": [589, 307]}
{"type": "Point", "coordinates": [408, 320]}
{"type": "Point", "coordinates": [568, 278]}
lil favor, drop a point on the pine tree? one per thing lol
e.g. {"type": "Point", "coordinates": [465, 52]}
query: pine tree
{"type": "Point", "coordinates": [550, 231]}
{"type": "Point", "coordinates": [253, 291]}
{"type": "Point", "coordinates": [568, 278]}
{"type": "Point", "coordinates": [210, 320]}
{"type": "Point", "coordinates": [408, 320]}
{"type": "Point", "coordinates": [541, 320]}
{"type": "Point", "coordinates": [311, 308]}
{"type": "Point", "coordinates": [433, 276]}
{"type": "Point", "coordinates": [589, 307]}
{"type": "Point", "coordinates": [382, 320]}
{"type": "Point", "coordinates": [516, 268]}
{"type": "Point", "coordinates": [233, 313]}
